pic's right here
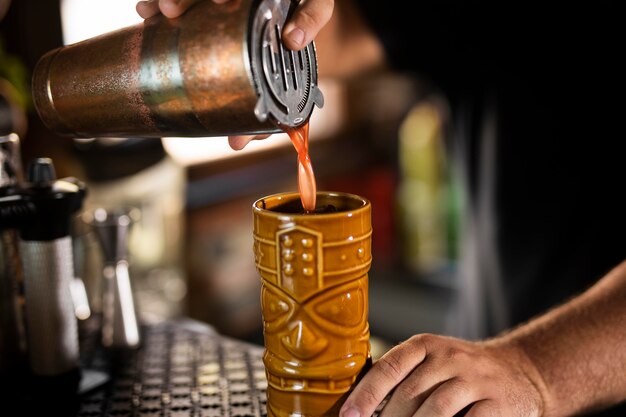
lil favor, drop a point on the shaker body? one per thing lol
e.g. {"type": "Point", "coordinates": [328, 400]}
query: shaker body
{"type": "Point", "coordinates": [189, 76]}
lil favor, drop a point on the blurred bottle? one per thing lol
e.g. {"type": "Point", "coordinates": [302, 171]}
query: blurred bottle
{"type": "Point", "coordinates": [138, 173]}
{"type": "Point", "coordinates": [41, 210]}
{"type": "Point", "coordinates": [12, 115]}
{"type": "Point", "coordinates": [12, 332]}
{"type": "Point", "coordinates": [423, 191]}
{"type": "Point", "coordinates": [50, 205]}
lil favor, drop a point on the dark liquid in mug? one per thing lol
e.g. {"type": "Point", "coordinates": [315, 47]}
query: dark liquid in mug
{"type": "Point", "coordinates": [295, 207]}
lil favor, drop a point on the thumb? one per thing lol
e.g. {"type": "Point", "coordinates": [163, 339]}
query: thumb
{"type": "Point", "coordinates": [308, 20]}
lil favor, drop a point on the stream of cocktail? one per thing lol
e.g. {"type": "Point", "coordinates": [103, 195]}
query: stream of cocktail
{"type": "Point", "coordinates": [306, 178]}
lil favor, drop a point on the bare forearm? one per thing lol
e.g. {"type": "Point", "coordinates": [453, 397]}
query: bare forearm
{"type": "Point", "coordinates": [579, 349]}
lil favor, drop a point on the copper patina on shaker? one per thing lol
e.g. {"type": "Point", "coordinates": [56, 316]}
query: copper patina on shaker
{"type": "Point", "coordinates": [219, 69]}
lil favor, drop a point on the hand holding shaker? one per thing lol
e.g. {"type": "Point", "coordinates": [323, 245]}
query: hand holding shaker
{"type": "Point", "coordinates": [314, 299]}
{"type": "Point", "coordinates": [219, 69]}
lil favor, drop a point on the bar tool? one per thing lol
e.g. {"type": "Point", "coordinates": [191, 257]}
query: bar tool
{"type": "Point", "coordinates": [219, 69]}
{"type": "Point", "coordinates": [120, 328]}
{"type": "Point", "coordinates": [42, 211]}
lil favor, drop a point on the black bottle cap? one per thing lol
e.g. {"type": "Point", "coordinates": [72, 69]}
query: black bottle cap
{"type": "Point", "coordinates": [41, 172]}
{"type": "Point", "coordinates": [54, 202]}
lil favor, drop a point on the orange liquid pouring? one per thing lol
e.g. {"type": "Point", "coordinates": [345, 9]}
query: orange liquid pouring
{"type": "Point", "coordinates": [306, 178]}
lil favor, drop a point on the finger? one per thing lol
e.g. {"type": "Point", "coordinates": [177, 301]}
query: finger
{"type": "Point", "coordinates": [386, 373]}
{"type": "Point", "coordinates": [484, 408]}
{"type": "Point", "coordinates": [240, 142]}
{"type": "Point", "coordinates": [309, 18]}
{"type": "Point", "coordinates": [147, 8]}
{"type": "Point", "coordinates": [174, 8]}
{"type": "Point", "coordinates": [410, 395]}
{"type": "Point", "coordinates": [448, 399]}
{"type": "Point", "coordinates": [396, 406]}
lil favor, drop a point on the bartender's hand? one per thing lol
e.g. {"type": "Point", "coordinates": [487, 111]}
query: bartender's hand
{"type": "Point", "coordinates": [435, 376]}
{"type": "Point", "coordinates": [309, 18]}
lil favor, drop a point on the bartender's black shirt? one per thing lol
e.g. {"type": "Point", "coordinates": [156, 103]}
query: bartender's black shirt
{"type": "Point", "coordinates": [549, 81]}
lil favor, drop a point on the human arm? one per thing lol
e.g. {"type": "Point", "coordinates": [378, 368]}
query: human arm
{"type": "Point", "coordinates": [570, 360]}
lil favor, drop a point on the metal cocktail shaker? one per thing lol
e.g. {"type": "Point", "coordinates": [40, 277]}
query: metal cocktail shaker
{"type": "Point", "coordinates": [219, 69]}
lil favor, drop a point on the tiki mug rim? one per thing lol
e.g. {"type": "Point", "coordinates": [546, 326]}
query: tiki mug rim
{"type": "Point", "coordinates": [351, 203]}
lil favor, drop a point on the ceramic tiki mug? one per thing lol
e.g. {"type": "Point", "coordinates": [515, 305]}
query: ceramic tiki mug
{"type": "Point", "coordinates": [314, 299]}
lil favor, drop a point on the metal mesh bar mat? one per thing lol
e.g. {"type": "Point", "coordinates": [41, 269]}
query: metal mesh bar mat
{"type": "Point", "coordinates": [182, 369]}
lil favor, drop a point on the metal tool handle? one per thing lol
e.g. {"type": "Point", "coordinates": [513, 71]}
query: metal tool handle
{"type": "Point", "coordinates": [119, 320]}
{"type": "Point", "coordinates": [51, 324]}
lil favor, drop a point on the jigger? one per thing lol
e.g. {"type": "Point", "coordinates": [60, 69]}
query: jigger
{"type": "Point", "coordinates": [120, 328]}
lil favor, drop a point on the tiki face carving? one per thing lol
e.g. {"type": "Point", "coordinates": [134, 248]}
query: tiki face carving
{"type": "Point", "coordinates": [315, 320]}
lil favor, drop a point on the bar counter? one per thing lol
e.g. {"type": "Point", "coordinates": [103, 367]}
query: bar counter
{"type": "Point", "coordinates": [183, 368]}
